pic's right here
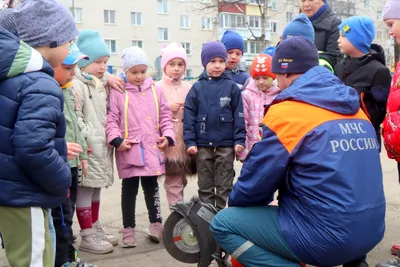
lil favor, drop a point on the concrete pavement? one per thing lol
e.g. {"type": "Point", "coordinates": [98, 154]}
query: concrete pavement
{"type": "Point", "coordinates": [147, 254]}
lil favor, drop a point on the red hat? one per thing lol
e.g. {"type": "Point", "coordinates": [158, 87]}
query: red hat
{"type": "Point", "coordinates": [261, 66]}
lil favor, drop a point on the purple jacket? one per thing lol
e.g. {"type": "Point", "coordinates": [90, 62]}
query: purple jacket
{"type": "Point", "coordinates": [144, 158]}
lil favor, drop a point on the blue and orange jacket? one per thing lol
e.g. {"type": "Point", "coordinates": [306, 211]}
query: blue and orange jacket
{"type": "Point", "coordinates": [320, 151]}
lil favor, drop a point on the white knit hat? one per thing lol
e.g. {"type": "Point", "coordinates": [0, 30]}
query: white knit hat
{"type": "Point", "coordinates": [133, 56]}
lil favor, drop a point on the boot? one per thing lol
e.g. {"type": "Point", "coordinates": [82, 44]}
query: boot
{"type": "Point", "coordinates": [155, 232]}
{"type": "Point", "coordinates": [106, 237]}
{"type": "Point", "coordinates": [92, 242]}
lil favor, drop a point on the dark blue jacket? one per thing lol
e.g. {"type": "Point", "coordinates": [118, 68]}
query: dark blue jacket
{"type": "Point", "coordinates": [239, 76]}
{"type": "Point", "coordinates": [213, 114]}
{"type": "Point", "coordinates": [34, 170]}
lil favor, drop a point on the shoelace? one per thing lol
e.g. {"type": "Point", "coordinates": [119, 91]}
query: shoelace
{"type": "Point", "coordinates": [99, 237]}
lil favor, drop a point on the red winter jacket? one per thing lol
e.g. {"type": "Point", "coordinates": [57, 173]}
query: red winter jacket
{"type": "Point", "coordinates": [391, 125]}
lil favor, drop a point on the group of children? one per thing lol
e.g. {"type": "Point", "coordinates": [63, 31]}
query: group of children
{"type": "Point", "coordinates": [168, 127]}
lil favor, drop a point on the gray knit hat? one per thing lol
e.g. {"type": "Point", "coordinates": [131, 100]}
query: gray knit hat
{"type": "Point", "coordinates": [44, 23]}
{"type": "Point", "coordinates": [391, 10]}
{"type": "Point", "coordinates": [7, 21]}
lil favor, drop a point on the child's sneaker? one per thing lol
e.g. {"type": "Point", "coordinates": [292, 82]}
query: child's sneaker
{"type": "Point", "coordinates": [78, 264]}
{"type": "Point", "coordinates": [128, 237]}
{"type": "Point", "coordinates": [106, 237]}
{"type": "Point", "coordinates": [155, 232]}
{"type": "Point", "coordinates": [92, 242]}
{"type": "Point", "coordinates": [392, 263]}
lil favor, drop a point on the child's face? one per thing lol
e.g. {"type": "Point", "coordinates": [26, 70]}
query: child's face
{"type": "Point", "coordinates": [98, 67]}
{"type": "Point", "coordinates": [56, 56]}
{"type": "Point", "coordinates": [263, 83]}
{"type": "Point", "coordinates": [345, 46]}
{"type": "Point", "coordinates": [310, 7]}
{"type": "Point", "coordinates": [137, 75]}
{"type": "Point", "coordinates": [215, 67]}
{"type": "Point", "coordinates": [64, 74]}
{"type": "Point", "coordinates": [234, 56]}
{"type": "Point", "coordinates": [394, 28]}
{"type": "Point", "coordinates": [175, 68]}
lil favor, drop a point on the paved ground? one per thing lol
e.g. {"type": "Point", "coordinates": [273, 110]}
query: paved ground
{"type": "Point", "coordinates": [147, 254]}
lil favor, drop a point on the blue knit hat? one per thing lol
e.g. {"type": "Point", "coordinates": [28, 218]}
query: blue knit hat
{"type": "Point", "coordinates": [299, 26]}
{"type": "Point", "coordinates": [295, 55]}
{"type": "Point", "coordinates": [93, 45]}
{"type": "Point", "coordinates": [270, 50]}
{"type": "Point", "coordinates": [232, 40]}
{"type": "Point", "coordinates": [212, 50]}
{"type": "Point", "coordinates": [360, 31]}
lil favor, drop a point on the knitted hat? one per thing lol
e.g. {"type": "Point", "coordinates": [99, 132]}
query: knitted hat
{"type": "Point", "coordinates": [261, 66]}
{"type": "Point", "coordinates": [299, 26]}
{"type": "Point", "coordinates": [133, 56]}
{"type": "Point", "coordinates": [391, 10]}
{"type": "Point", "coordinates": [74, 55]}
{"type": "Point", "coordinates": [212, 50]}
{"type": "Point", "coordinates": [232, 40]}
{"type": "Point", "coordinates": [44, 23]}
{"type": "Point", "coordinates": [360, 31]}
{"type": "Point", "coordinates": [7, 21]}
{"type": "Point", "coordinates": [295, 55]}
{"type": "Point", "coordinates": [92, 44]}
{"type": "Point", "coordinates": [171, 51]}
{"type": "Point", "coordinates": [270, 50]}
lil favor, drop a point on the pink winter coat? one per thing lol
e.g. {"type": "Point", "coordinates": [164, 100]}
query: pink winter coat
{"type": "Point", "coordinates": [254, 101]}
{"type": "Point", "coordinates": [144, 158]}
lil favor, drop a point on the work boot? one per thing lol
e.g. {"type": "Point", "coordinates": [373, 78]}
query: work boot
{"type": "Point", "coordinates": [155, 232]}
{"type": "Point", "coordinates": [92, 242]}
{"type": "Point", "coordinates": [128, 237]}
{"type": "Point", "coordinates": [106, 237]}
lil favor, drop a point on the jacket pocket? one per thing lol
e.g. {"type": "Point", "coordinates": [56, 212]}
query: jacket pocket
{"type": "Point", "coordinates": [135, 155]}
{"type": "Point", "coordinates": [226, 126]}
{"type": "Point", "coordinates": [201, 124]}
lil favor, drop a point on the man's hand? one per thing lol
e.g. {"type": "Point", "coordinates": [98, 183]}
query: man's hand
{"type": "Point", "coordinates": [192, 150]}
{"type": "Point", "coordinates": [116, 83]}
{"type": "Point", "coordinates": [162, 142]}
{"type": "Point", "coordinates": [84, 165]}
{"type": "Point", "coordinates": [176, 107]}
{"type": "Point", "coordinates": [125, 145]}
{"type": "Point", "coordinates": [239, 149]}
{"type": "Point", "coordinates": [74, 150]}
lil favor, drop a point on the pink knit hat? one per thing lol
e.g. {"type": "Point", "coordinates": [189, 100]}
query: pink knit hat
{"type": "Point", "coordinates": [171, 51]}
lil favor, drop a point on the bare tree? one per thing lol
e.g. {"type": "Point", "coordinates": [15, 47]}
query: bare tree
{"type": "Point", "coordinates": [345, 8]}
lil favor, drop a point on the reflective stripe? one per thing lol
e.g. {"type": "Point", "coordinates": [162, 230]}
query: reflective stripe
{"type": "Point", "coordinates": [242, 249]}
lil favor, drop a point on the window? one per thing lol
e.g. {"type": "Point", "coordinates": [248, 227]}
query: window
{"type": "Point", "coordinates": [252, 47]}
{"type": "Point", "coordinates": [289, 16]}
{"type": "Point", "coordinates": [189, 73]}
{"type": "Point", "coordinates": [187, 48]}
{"type": "Point", "coordinates": [379, 15]}
{"type": "Point", "coordinates": [77, 14]}
{"type": "Point", "coordinates": [137, 43]}
{"type": "Point", "coordinates": [163, 34]}
{"type": "Point", "coordinates": [233, 21]}
{"type": "Point", "coordinates": [272, 4]}
{"type": "Point", "coordinates": [185, 21]}
{"type": "Point", "coordinates": [162, 6]}
{"type": "Point", "coordinates": [109, 16]}
{"type": "Point", "coordinates": [254, 22]}
{"type": "Point", "coordinates": [206, 23]}
{"type": "Point", "coordinates": [273, 26]}
{"type": "Point", "coordinates": [112, 45]}
{"type": "Point", "coordinates": [367, 4]}
{"type": "Point", "coordinates": [136, 18]}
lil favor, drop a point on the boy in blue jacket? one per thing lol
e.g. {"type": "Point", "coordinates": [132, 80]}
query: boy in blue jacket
{"type": "Point", "coordinates": [34, 171]}
{"type": "Point", "coordinates": [214, 127]}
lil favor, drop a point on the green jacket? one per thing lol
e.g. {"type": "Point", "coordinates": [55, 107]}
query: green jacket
{"type": "Point", "coordinates": [73, 134]}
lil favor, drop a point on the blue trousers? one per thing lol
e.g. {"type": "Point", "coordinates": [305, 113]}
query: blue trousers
{"type": "Point", "coordinates": [252, 236]}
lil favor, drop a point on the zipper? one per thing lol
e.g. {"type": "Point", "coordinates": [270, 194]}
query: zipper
{"type": "Point", "coordinates": [70, 115]}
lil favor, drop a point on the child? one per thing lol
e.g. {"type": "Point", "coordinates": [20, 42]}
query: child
{"type": "Point", "coordinates": [178, 163]}
{"type": "Point", "coordinates": [34, 171]}
{"type": "Point", "coordinates": [64, 74]}
{"type": "Point", "coordinates": [214, 127]}
{"type": "Point", "coordinates": [139, 126]}
{"type": "Point", "coordinates": [234, 44]}
{"type": "Point", "coordinates": [89, 84]}
{"type": "Point", "coordinates": [364, 67]}
{"type": "Point", "coordinates": [259, 92]}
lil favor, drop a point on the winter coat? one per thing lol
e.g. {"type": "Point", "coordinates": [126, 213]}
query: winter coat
{"type": "Point", "coordinates": [320, 150]}
{"type": "Point", "coordinates": [73, 133]}
{"type": "Point", "coordinates": [213, 115]}
{"type": "Point", "coordinates": [239, 75]}
{"type": "Point", "coordinates": [177, 161]}
{"type": "Point", "coordinates": [254, 102]}
{"type": "Point", "coordinates": [371, 78]}
{"type": "Point", "coordinates": [391, 124]}
{"type": "Point", "coordinates": [34, 170]}
{"type": "Point", "coordinates": [92, 119]}
{"type": "Point", "coordinates": [143, 158]}
{"type": "Point", "coordinates": [326, 28]}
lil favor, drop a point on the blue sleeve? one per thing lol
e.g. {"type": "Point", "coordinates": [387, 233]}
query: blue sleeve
{"type": "Point", "coordinates": [262, 173]}
{"type": "Point", "coordinates": [189, 118]}
{"type": "Point", "coordinates": [34, 139]}
{"type": "Point", "coordinates": [238, 117]}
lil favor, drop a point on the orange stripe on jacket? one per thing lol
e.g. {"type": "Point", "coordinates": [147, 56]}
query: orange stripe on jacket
{"type": "Point", "coordinates": [291, 120]}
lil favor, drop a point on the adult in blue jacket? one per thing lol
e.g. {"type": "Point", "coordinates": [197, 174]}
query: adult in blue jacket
{"type": "Point", "coordinates": [320, 151]}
